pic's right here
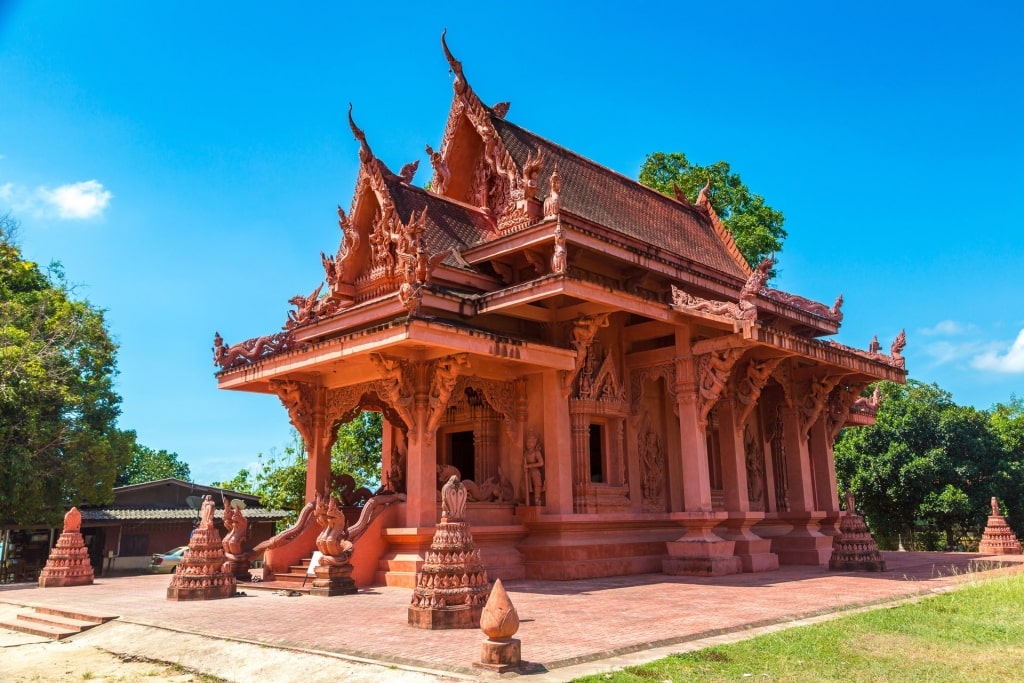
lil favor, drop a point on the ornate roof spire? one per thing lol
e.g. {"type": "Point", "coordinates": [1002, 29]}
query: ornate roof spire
{"type": "Point", "coordinates": [365, 153]}
{"type": "Point", "coordinates": [460, 84]}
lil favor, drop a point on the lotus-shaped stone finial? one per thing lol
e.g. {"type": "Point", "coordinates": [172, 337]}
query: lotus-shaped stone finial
{"type": "Point", "coordinates": [499, 620]}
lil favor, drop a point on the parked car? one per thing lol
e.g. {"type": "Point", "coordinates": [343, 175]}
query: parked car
{"type": "Point", "coordinates": [166, 563]}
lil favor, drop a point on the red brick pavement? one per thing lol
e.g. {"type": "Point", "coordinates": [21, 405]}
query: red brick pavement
{"type": "Point", "coordinates": [563, 623]}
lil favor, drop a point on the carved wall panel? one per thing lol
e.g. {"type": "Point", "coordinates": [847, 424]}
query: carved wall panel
{"type": "Point", "coordinates": [754, 453]}
{"type": "Point", "coordinates": [651, 453]}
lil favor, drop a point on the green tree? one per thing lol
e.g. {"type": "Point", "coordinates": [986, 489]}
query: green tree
{"type": "Point", "coordinates": [149, 465]}
{"type": "Point", "coordinates": [357, 450]}
{"type": "Point", "coordinates": [756, 227]}
{"type": "Point", "coordinates": [59, 443]}
{"type": "Point", "coordinates": [926, 464]}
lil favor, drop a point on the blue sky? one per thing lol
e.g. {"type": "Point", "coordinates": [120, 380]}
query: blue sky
{"type": "Point", "coordinates": [184, 160]}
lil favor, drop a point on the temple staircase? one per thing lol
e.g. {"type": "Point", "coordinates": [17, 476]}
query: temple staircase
{"type": "Point", "coordinates": [55, 623]}
{"type": "Point", "coordinates": [296, 578]}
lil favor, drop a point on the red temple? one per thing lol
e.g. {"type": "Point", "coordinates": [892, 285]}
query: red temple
{"type": "Point", "coordinates": [617, 389]}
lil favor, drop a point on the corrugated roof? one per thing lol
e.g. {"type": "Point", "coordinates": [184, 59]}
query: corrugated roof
{"type": "Point", "coordinates": [160, 514]}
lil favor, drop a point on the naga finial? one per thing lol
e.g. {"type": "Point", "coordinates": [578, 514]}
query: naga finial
{"type": "Point", "coordinates": [365, 154]}
{"type": "Point", "coordinates": [702, 196]}
{"type": "Point", "coordinates": [455, 65]}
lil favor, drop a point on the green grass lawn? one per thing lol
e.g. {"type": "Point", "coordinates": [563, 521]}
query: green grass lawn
{"type": "Point", "coordinates": [973, 634]}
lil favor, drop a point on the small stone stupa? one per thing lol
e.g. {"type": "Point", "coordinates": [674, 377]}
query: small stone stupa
{"type": "Point", "coordinates": [998, 538]}
{"type": "Point", "coordinates": [200, 575]}
{"type": "Point", "coordinates": [854, 549]}
{"type": "Point", "coordinates": [452, 585]}
{"type": "Point", "coordinates": [68, 563]}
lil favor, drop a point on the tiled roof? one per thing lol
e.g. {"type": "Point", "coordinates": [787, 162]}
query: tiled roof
{"type": "Point", "coordinates": [449, 224]}
{"type": "Point", "coordinates": [150, 514]}
{"type": "Point", "coordinates": [609, 199]}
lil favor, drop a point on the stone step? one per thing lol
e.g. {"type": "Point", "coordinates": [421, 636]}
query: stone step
{"type": "Point", "coordinates": [63, 623]}
{"type": "Point", "coordinates": [43, 630]}
{"type": "Point", "coordinates": [73, 614]}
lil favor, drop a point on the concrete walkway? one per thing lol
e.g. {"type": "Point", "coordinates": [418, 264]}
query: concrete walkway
{"type": "Point", "coordinates": [568, 629]}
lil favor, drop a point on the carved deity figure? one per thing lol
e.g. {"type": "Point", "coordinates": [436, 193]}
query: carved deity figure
{"type": "Point", "coordinates": [441, 172]}
{"type": "Point", "coordinates": [851, 504]}
{"type": "Point", "coordinates": [553, 204]}
{"type": "Point", "coordinates": [995, 507]}
{"type": "Point", "coordinates": [533, 463]}
{"type": "Point", "coordinates": [237, 526]}
{"type": "Point", "coordinates": [755, 467]}
{"type": "Point", "coordinates": [453, 499]}
{"type": "Point", "coordinates": [73, 520]}
{"type": "Point", "coordinates": [559, 260]}
{"type": "Point", "coordinates": [653, 464]}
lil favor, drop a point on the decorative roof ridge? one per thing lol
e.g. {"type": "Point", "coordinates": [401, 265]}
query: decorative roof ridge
{"type": "Point", "coordinates": [686, 206]}
{"type": "Point", "coordinates": [703, 204]}
{"type": "Point", "coordinates": [461, 86]}
{"type": "Point", "coordinates": [367, 158]}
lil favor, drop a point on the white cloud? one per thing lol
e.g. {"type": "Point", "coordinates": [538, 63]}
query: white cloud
{"type": "Point", "coordinates": [949, 328]}
{"type": "Point", "coordinates": [1012, 361]}
{"type": "Point", "coordinates": [78, 200]}
{"type": "Point", "coordinates": [75, 201]}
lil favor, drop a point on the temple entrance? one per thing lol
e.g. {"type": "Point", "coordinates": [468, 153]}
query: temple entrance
{"type": "Point", "coordinates": [463, 453]}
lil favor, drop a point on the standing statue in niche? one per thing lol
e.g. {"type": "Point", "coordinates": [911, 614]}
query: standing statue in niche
{"type": "Point", "coordinates": [755, 471]}
{"type": "Point", "coordinates": [533, 463]}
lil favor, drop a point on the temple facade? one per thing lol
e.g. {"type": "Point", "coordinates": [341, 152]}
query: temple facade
{"type": "Point", "coordinates": [617, 388]}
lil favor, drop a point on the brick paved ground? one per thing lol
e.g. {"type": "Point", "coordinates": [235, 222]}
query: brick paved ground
{"type": "Point", "coordinates": [563, 623]}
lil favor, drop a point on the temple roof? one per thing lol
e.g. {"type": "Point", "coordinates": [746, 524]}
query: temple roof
{"type": "Point", "coordinates": [604, 197]}
{"type": "Point", "coordinates": [448, 223]}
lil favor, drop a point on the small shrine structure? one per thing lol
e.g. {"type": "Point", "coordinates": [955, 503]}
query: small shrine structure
{"type": "Point", "coordinates": [68, 563]}
{"type": "Point", "coordinates": [854, 549]}
{"type": "Point", "coordinates": [616, 388]}
{"type": "Point", "coordinates": [998, 538]}
{"type": "Point", "coordinates": [205, 571]}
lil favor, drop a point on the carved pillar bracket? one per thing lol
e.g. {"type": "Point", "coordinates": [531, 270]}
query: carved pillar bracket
{"type": "Point", "coordinates": [748, 389]}
{"type": "Point", "coordinates": [584, 330]}
{"type": "Point", "coordinates": [713, 371]}
{"type": "Point", "coordinates": [395, 388]}
{"type": "Point", "coordinates": [444, 374]}
{"type": "Point", "coordinates": [300, 400]}
{"type": "Point", "coordinates": [814, 397]}
{"type": "Point", "coordinates": [839, 405]}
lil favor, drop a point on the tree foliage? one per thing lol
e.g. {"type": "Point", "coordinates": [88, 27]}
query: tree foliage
{"type": "Point", "coordinates": [756, 227]}
{"type": "Point", "coordinates": [929, 466]}
{"type": "Point", "coordinates": [59, 444]}
{"type": "Point", "coordinates": [280, 478]}
{"type": "Point", "coordinates": [150, 465]}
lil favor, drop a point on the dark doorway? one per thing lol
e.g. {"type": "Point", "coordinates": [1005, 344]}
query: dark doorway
{"type": "Point", "coordinates": [462, 453]}
{"type": "Point", "coordinates": [596, 454]}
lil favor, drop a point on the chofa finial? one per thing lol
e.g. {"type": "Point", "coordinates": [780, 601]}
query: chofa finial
{"type": "Point", "coordinates": [365, 154]}
{"type": "Point", "coordinates": [455, 65]}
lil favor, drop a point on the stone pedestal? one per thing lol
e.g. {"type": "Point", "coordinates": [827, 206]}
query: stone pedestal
{"type": "Point", "coordinates": [754, 552]}
{"type": "Point", "coordinates": [998, 538]}
{"type": "Point", "coordinates": [68, 563]}
{"type": "Point", "coordinates": [804, 544]}
{"type": "Point", "coordinates": [452, 585]}
{"type": "Point", "coordinates": [333, 580]}
{"type": "Point", "coordinates": [200, 574]}
{"type": "Point", "coordinates": [500, 656]}
{"type": "Point", "coordinates": [854, 549]}
{"type": "Point", "coordinates": [699, 552]}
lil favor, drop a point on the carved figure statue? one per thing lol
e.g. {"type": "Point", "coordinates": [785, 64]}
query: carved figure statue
{"type": "Point", "coordinates": [333, 541]}
{"type": "Point", "coordinates": [206, 511]}
{"type": "Point", "coordinates": [305, 308]}
{"type": "Point", "coordinates": [553, 203]}
{"type": "Point", "coordinates": [73, 520]}
{"type": "Point", "coordinates": [753, 286]}
{"type": "Point", "coordinates": [755, 467]}
{"type": "Point", "coordinates": [227, 356]}
{"type": "Point", "coordinates": [441, 172]}
{"type": "Point", "coordinates": [559, 260]}
{"type": "Point", "coordinates": [652, 459]}
{"type": "Point", "coordinates": [995, 507]}
{"type": "Point", "coordinates": [533, 463]}
{"type": "Point", "coordinates": [531, 171]}
{"type": "Point", "coordinates": [874, 346]}
{"type": "Point", "coordinates": [408, 171]}
{"type": "Point", "coordinates": [237, 526]}
{"type": "Point", "coordinates": [851, 504]}
{"type": "Point", "coordinates": [453, 499]}
{"type": "Point", "coordinates": [896, 350]}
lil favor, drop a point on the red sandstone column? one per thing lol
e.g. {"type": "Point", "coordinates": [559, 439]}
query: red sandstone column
{"type": "Point", "coordinates": [804, 544]}
{"type": "Point", "coordinates": [318, 470]}
{"type": "Point", "coordinates": [693, 441]}
{"type": "Point", "coordinates": [557, 446]}
{"type": "Point", "coordinates": [820, 446]}
{"type": "Point", "coordinates": [798, 462]}
{"type": "Point", "coordinates": [734, 461]}
{"type": "Point", "coordinates": [421, 465]}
